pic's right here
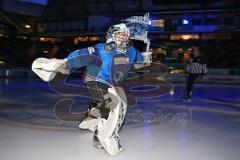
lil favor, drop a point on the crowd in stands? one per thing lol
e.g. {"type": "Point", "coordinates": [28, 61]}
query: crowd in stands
{"type": "Point", "coordinates": [21, 53]}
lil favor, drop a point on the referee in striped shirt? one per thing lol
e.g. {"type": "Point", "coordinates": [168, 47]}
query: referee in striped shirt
{"type": "Point", "coordinates": [193, 70]}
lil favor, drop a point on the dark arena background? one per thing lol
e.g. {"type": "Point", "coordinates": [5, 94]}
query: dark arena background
{"type": "Point", "coordinates": [157, 126]}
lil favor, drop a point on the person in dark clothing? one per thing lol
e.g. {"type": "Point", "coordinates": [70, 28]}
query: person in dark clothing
{"type": "Point", "coordinates": [194, 69]}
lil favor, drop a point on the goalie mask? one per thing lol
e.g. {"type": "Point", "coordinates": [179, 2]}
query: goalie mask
{"type": "Point", "coordinates": [117, 38]}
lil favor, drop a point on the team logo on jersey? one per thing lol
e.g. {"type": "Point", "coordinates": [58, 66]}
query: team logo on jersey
{"type": "Point", "coordinates": [91, 50]}
{"type": "Point", "coordinates": [119, 67]}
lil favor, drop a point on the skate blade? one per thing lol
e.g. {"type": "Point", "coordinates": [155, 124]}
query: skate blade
{"type": "Point", "coordinates": [97, 145]}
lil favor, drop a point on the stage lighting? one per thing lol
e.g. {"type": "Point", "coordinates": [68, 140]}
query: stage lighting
{"type": "Point", "coordinates": [185, 21]}
{"type": "Point", "coordinates": [27, 26]}
{"type": "Point", "coordinates": [149, 22]}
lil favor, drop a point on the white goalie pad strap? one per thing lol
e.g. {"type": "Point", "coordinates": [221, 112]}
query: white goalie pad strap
{"type": "Point", "coordinates": [89, 123]}
{"type": "Point", "coordinates": [47, 69]}
{"type": "Point", "coordinates": [108, 129]}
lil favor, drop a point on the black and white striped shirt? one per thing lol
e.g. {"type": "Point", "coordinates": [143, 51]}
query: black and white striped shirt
{"type": "Point", "coordinates": [195, 67]}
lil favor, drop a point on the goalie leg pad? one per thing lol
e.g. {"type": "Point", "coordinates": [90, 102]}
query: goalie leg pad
{"type": "Point", "coordinates": [108, 128]}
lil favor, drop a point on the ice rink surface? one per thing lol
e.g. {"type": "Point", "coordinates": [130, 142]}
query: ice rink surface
{"type": "Point", "coordinates": [158, 128]}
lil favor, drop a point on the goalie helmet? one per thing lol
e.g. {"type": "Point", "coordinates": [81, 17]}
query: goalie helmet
{"type": "Point", "coordinates": [117, 38]}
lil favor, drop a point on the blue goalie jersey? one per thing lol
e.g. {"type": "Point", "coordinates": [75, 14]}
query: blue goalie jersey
{"type": "Point", "coordinates": [112, 67]}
